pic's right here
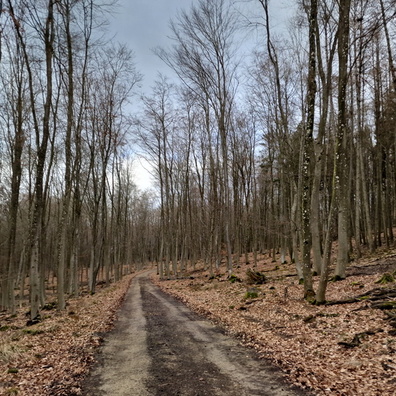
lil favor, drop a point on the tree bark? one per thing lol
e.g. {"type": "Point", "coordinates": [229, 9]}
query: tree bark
{"type": "Point", "coordinates": [342, 141]}
{"type": "Point", "coordinates": [309, 293]}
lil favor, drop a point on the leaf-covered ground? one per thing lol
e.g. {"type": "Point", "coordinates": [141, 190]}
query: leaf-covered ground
{"type": "Point", "coordinates": [52, 357]}
{"type": "Point", "coordinates": [343, 349]}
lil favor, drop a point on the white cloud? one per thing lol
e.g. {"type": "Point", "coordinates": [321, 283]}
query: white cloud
{"type": "Point", "coordinates": [142, 173]}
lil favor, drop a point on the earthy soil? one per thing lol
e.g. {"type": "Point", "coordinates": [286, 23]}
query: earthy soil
{"type": "Point", "coordinates": [376, 266]}
{"type": "Point", "coordinates": [346, 347]}
{"type": "Point", "coordinates": [52, 357]}
{"type": "Point", "coordinates": [160, 347]}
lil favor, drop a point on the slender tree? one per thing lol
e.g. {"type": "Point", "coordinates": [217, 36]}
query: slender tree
{"type": "Point", "coordinates": [307, 154]}
{"type": "Point", "coordinates": [342, 140]}
{"type": "Point", "coordinates": [203, 58]}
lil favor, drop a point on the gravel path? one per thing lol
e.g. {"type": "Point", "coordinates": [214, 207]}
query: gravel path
{"type": "Point", "coordinates": [159, 347]}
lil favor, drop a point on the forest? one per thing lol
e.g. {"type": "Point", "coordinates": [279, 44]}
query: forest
{"type": "Point", "coordinates": [289, 149]}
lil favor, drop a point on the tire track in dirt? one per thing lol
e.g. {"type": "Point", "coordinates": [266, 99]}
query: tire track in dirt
{"type": "Point", "coordinates": [160, 347]}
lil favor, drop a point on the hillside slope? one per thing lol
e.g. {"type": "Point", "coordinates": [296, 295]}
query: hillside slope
{"type": "Point", "coordinates": [340, 349]}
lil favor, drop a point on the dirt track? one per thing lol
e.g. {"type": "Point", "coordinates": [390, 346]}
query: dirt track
{"type": "Point", "coordinates": [159, 347]}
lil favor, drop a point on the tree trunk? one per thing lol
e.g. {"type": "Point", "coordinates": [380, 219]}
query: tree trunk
{"type": "Point", "coordinates": [307, 156]}
{"type": "Point", "coordinates": [342, 142]}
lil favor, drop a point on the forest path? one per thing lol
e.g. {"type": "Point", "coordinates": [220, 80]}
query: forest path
{"type": "Point", "coordinates": [160, 347]}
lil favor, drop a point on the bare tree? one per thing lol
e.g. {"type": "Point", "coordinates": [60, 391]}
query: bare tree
{"type": "Point", "coordinates": [307, 154]}
{"type": "Point", "coordinates": [109, 90]}
{"type": "Point", "coordinates": [203, 59]}
{"type": "Point", "coordinates": [42, 133]}
{"type": "Point", "coordinates": [342, 140]}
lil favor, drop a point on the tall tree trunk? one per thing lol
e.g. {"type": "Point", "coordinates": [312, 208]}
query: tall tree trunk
{"type": "Point", "coordinates": [342, 142]}
{"type": "Point", "coordinates": [319, 150]}
{"type": "Point", "coordinates": [17, 144]}
{"type": "Point", "coordinates": [64, 224]}
{"type": "Point", "coordinates": [42, 140]}
{"type": "Point", "coordinates": [309, 293]}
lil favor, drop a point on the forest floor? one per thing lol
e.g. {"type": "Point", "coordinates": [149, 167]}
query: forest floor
{"type": "Point", "coordinates": [160, 347]}
{"type": "Point", "coordinates": [53, 356]}
{"type": "Point", "coordinates": [347, 348]}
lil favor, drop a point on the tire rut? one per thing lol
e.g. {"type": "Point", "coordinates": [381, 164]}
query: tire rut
{"type": "Point", "coordinates": [190, 356]}
{"type": "Point", "coordinates": [160, 347]}
{"type": "Point", "coordinates": [179, 363]}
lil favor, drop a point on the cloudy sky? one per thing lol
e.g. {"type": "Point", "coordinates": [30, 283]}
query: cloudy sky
{"type": "Point", "coordinates": [144, 25]}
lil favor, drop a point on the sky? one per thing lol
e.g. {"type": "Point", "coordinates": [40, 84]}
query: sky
{"type": "Point", "coordinates": [144, 25]}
